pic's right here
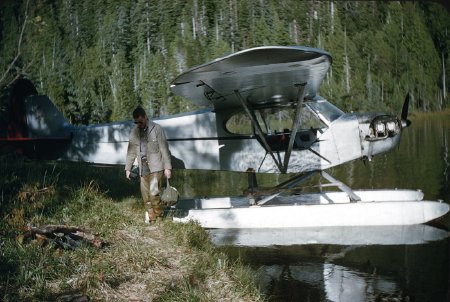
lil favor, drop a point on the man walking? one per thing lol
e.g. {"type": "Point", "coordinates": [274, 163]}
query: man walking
{"type": "Point", "coordinates": [149, 145]}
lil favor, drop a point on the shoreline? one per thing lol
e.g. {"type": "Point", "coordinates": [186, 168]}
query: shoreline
{"type": "Point", "coordinates": [139, 262]}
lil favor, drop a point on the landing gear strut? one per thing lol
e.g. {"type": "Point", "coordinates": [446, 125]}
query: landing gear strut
{"type": "Point", "coordinates": [253, 191]}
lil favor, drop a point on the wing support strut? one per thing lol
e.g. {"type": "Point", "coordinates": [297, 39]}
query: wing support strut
{"type": "Point", "coordinates": [296, 123]}
{"type": "Point", "coordinates": [298, 109]}
{"type": "Point", "coordinates": [258, 129]}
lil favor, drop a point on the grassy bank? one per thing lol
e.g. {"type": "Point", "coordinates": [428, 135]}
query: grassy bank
{"type": "Point", "coordinates": [138, 262]}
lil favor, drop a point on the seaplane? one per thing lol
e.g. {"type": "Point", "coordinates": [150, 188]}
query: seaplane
{"type": "Point", "coordinates": [260, 114]}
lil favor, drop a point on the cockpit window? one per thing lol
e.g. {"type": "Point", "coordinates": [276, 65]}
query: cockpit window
{"type": "Point", "coordinates": [325, 110]}
{"type": "Point", "coordinates": [239, 124]}
{"type": "Point", "coordinates": [273, 121]}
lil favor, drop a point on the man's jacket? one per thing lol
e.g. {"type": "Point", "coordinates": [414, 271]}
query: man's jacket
{"type": "Point", "coordinates": [158, 154]}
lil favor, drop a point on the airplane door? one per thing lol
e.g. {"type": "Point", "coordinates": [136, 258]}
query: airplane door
{"type": "Point", "coordinates": [193, 140]}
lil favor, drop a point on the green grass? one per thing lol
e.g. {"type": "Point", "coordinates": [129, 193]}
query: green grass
{"type": "Point", "coordinates": [166, 262]}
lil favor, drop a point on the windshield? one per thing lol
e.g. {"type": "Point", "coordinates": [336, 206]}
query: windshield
{"type": "Point", "coordinates": [325, 110]}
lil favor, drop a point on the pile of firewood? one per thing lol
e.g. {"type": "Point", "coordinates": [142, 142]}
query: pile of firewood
{"type": "Point", "coordinates": [61, 236]}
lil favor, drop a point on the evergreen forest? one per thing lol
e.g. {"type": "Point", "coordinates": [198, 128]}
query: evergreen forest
{"type": "Point", "coordinates": [97, 60]}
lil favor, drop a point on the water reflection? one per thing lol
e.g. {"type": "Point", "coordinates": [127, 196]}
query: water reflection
{"type": "Point", "coordinates": [337, 283]}
{"type": "Point", "coordinates": [385, 263]}
{"type": "Point", "coordinates": [342, 284]}
{"type": "Point", "coordinates": [332, 272]}
{"type": "Point", "coordinates": [366, 235]}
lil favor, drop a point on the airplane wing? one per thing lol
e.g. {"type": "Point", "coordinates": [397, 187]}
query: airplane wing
{"type": "Point", "coordinates": [264, 76]}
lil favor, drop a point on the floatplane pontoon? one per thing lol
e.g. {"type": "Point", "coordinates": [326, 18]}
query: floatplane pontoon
{"type": "Point", "coordinates": [311, 210]}
{"type": "Point", "coordinates": [262, 114]}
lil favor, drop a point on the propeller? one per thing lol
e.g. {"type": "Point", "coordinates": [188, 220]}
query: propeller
{"type": "Point", "coordinates": [404, 115]}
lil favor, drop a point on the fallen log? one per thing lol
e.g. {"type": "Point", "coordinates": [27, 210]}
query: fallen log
{"type": "Point", "coordinates": [62, 236]}
{"type": "Point", "coordinates": [73, 298]}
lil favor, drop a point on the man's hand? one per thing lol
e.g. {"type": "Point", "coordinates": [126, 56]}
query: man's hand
{"type": "Point", "coordinates": [168, 173]}
{"type": "Point", "coordinates": [127, 174]}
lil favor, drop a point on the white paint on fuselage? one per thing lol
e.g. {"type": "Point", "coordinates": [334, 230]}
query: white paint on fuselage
{"type": "Point", "coordinates": [193, 140]}
{"type": "Point", "coordinates": [198, 140]}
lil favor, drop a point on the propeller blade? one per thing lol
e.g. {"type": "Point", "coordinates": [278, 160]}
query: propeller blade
{"type": "Point", "coordinates": [405, 107]}
{"type": "Point", "coordinates": [404, 115]}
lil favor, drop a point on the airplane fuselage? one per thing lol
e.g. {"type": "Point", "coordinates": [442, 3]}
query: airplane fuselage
{"type": "Point", "coordinates": [203, 140]}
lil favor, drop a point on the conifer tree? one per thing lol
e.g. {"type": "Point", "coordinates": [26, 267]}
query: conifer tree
{"type": "Point", "coordinates": [98, 60]}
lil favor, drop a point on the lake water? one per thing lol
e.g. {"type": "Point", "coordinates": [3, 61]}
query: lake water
{"type": "Point", "coordinates": [394, 264]}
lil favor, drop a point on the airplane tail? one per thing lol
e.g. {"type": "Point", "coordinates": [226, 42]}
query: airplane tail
{"type": "Point", "coordinates": [36, 128]}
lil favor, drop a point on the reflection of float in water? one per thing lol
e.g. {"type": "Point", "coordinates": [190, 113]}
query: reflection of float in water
{"type": "Point", "coordinates": [343, 284]}
{"type": "Point", "coordinates": [366, 235]}
{"type": "Point", "coordinates": [333, 282]}
{"type": "Point", "coordinates": [344, 264]}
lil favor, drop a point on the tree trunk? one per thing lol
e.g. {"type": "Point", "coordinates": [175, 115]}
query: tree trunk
{"type": "Point", "coordinates": [19, 45]}
{"type": "Point", "coordinates": [444, 89]}
{"type": "Point", "coordinates": [346, 64]}
{"type": "Point", "coordinates": [332, 16]}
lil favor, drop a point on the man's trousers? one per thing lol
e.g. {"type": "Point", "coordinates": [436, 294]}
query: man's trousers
{"type": "Point", "coordinates": [150, 191]}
